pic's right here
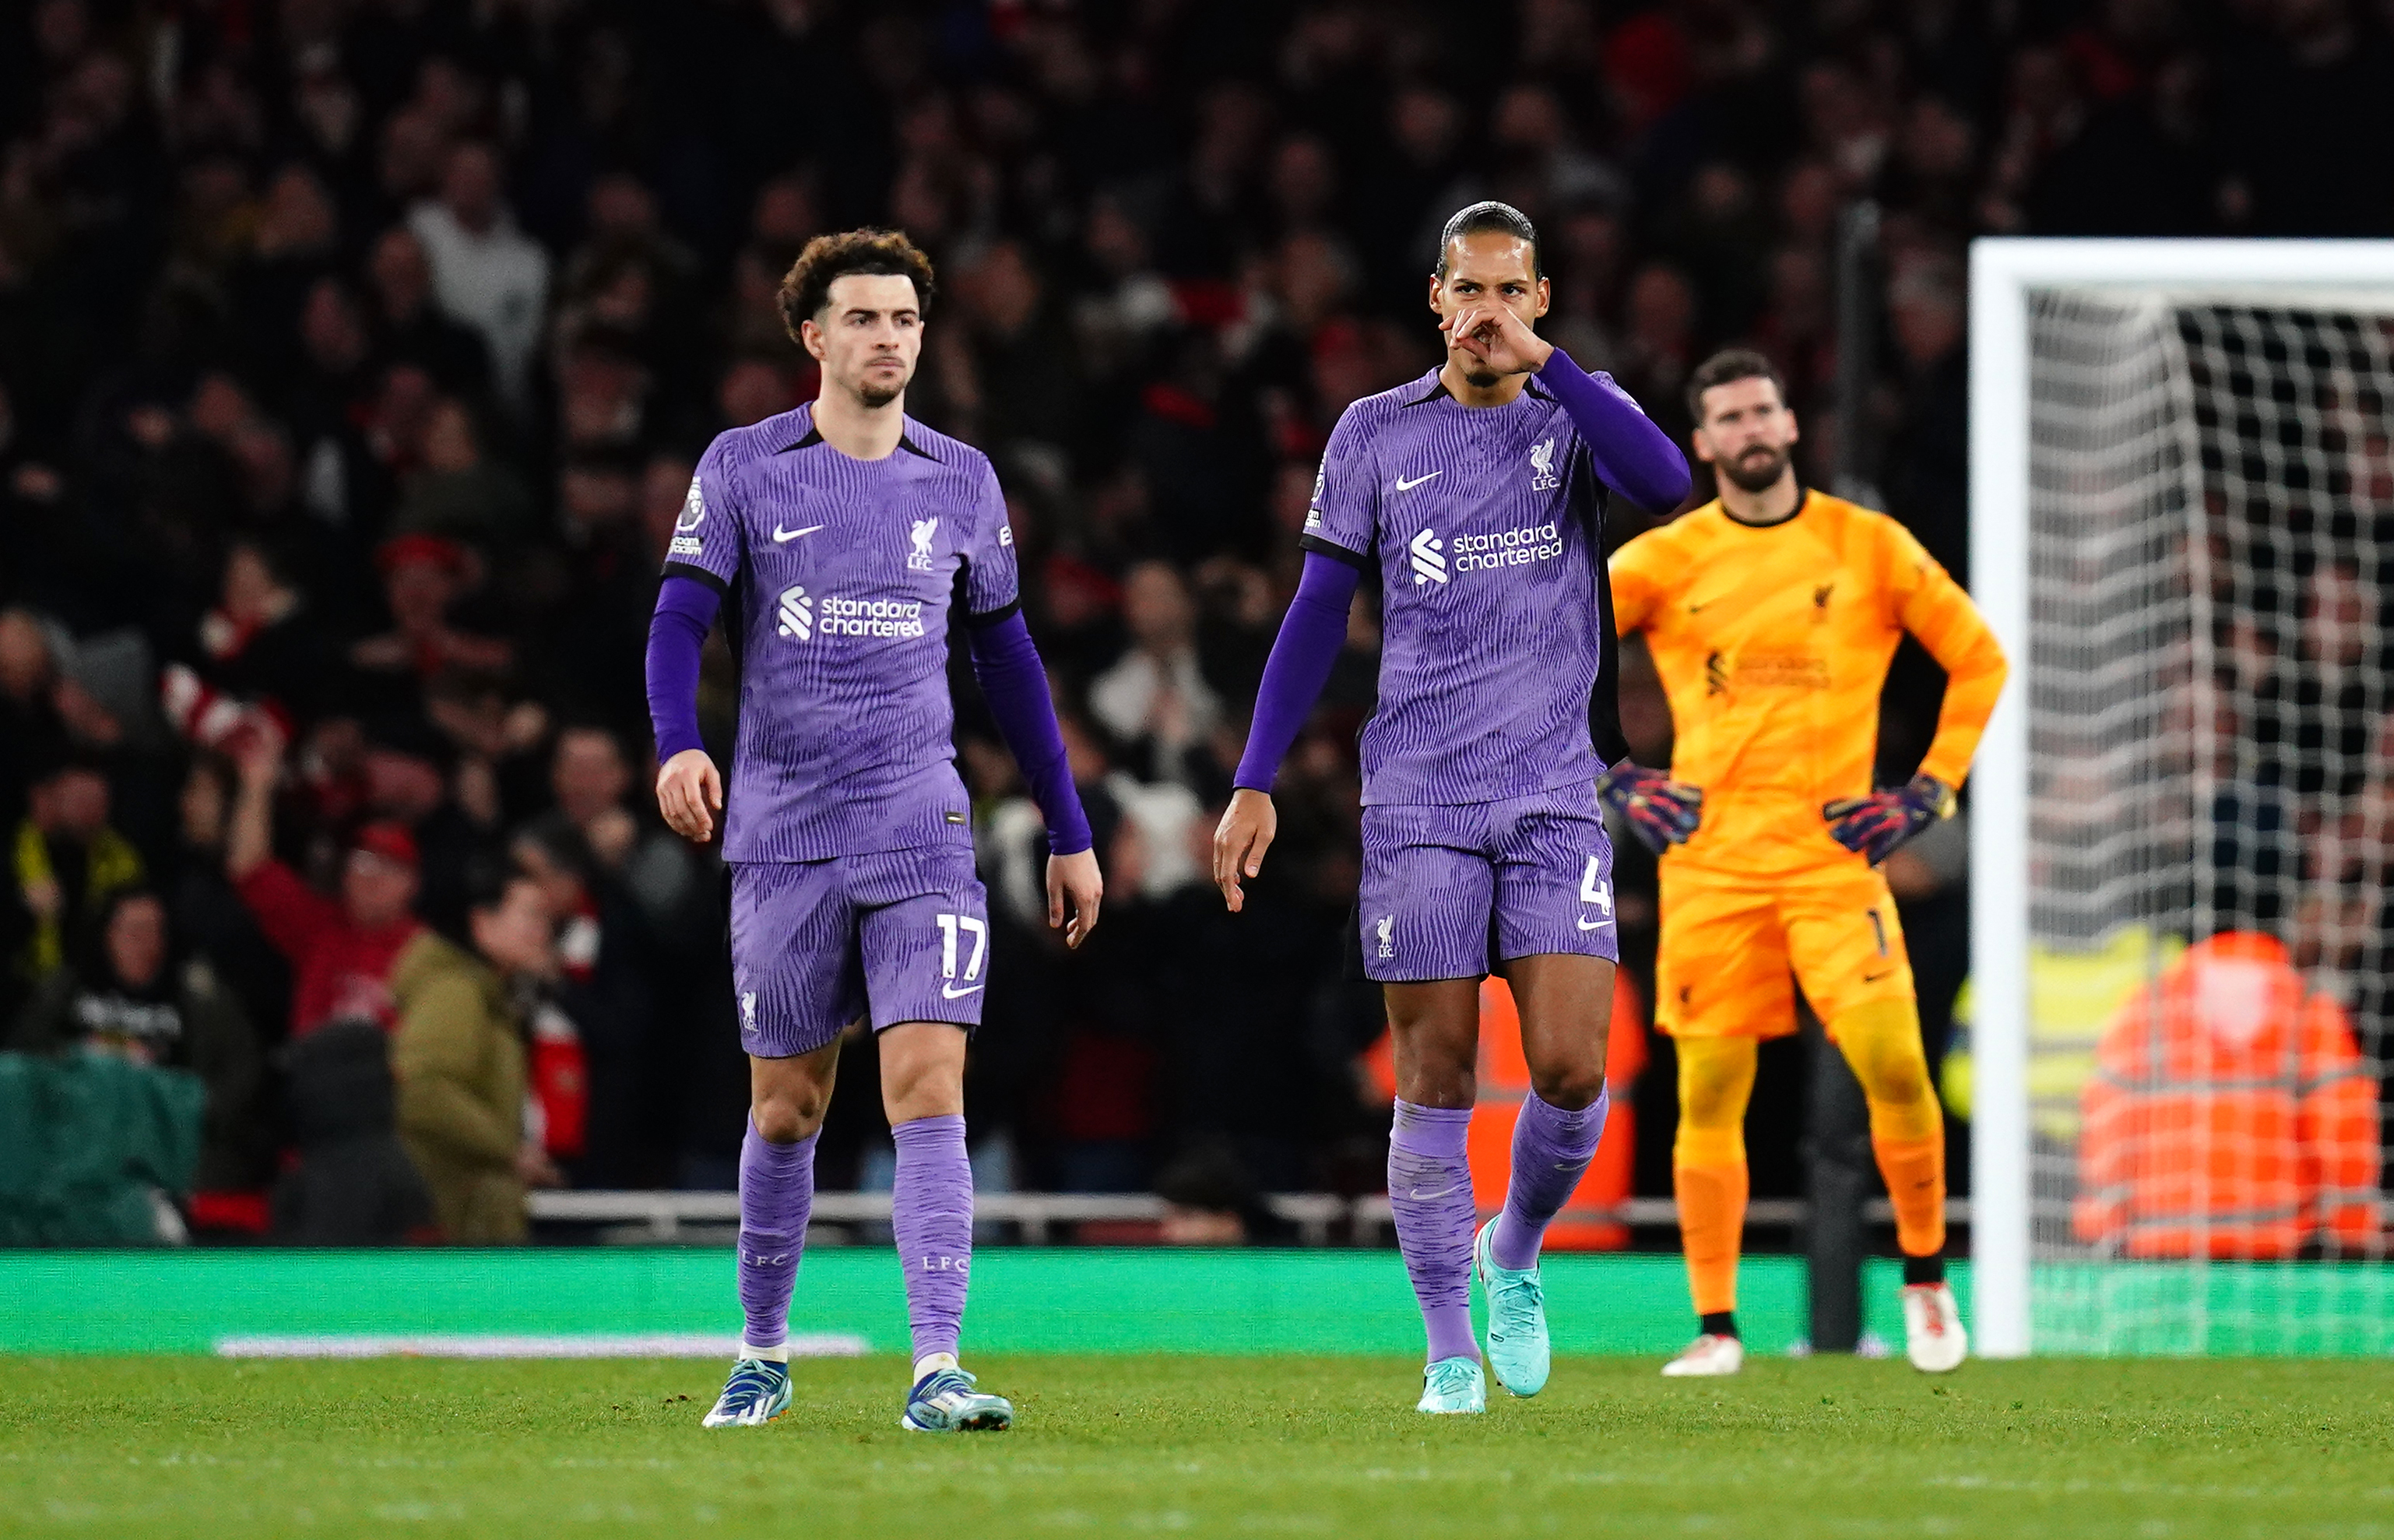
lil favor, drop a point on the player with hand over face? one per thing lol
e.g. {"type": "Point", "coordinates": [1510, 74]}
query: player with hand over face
{"type": "Point", "coordinates": [1476, 494]}
{"type": "Point", "coordinates": [836, 539]}
{"type": "Point", "coordinates": [1772, 613]}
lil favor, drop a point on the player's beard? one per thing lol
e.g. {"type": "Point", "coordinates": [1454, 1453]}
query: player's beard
{"type": "Point", "coordinates": [1757, 470]}
{"type": "Point", "coordinates": [874, 395]}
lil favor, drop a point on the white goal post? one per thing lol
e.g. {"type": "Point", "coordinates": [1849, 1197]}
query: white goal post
{"type": "Point", "coordinates": [2013, 283]}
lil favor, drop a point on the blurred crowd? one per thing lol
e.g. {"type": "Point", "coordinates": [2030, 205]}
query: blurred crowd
{"type": "Point", "coordinates": [354, 355]}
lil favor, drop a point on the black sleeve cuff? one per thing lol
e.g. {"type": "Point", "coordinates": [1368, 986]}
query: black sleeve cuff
{"type": "Point", "coordinates": [983, 622]}
{"type": "Point", "coordinates": [1356, 559]}
{"type": "Point", "coordinates": [696, 574]}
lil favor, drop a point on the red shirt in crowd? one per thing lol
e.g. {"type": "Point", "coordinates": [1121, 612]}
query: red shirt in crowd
{"type": "Point", "coordinates": [338, 967]}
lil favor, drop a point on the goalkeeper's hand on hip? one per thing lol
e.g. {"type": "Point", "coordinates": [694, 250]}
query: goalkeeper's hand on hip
{"type": "Point", "coordinates": [1661, 812]}
{"type": "Point", "coordinates": [1877, 826]}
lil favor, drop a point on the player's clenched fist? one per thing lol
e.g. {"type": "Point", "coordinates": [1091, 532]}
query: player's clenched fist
{"type": "Point", "coordinates": [690, 793]}
{"type": "Point", "coordinates": [1246, 831]}
{"type": "Point", "coordinates": [1495, 334]}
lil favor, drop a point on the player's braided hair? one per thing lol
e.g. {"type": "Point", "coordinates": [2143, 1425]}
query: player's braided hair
{"type": "Point", "coordinates": [1491, 215]}
{"type": "Point", "coordinates": [806, 288]}
{"type": "Point", "coordinates": [1727, 367]}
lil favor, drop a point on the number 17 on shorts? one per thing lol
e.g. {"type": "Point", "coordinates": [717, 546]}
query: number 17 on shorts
{"type": "Point", "coordinates": [958, 932]}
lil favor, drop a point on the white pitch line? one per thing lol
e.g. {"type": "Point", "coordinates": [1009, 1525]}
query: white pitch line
{"type": "Point", "coordinates": [562, 1345]}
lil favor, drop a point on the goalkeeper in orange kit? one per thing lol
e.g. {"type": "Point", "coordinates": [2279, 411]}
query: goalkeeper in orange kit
{"type": "Point", "coordinates": [1772, 614]}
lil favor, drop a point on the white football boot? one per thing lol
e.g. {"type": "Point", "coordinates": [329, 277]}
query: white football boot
{"type": "Point", "coordinates": [1933, 1337]}
{"type": "Point", "coordinates": [1708, 1356]}
{"type": "Point", "coordinates": [1452, 1386]}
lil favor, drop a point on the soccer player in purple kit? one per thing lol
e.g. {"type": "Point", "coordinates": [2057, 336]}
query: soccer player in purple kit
{"type": "Point", "coordinates": [1476, 493]}
{"type": "Point", "coordinates": [835, 539]}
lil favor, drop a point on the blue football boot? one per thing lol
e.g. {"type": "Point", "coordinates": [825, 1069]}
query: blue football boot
{"type": "Point", "coordinates": [757, 1392]}
{"type": "Point", "coordinates": [945, 1402]}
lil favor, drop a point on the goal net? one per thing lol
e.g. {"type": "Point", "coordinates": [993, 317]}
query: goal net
{"type": "Point", "coordinates": [2202, 802]}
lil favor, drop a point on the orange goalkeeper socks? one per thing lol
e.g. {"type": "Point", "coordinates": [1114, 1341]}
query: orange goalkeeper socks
{"type": "Point", "coordinates": [1915, 1171]}
{"type": "Point", "coordinates": [1882, 1042]}
{"type": "Point", "coordinates": [1711, 1228]}
{"type": "Point", "coordinates": [1708, 1170]}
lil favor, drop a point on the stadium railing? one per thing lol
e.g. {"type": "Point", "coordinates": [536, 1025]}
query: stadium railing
{"type": "Point", "coordinates": [1317, 1219]}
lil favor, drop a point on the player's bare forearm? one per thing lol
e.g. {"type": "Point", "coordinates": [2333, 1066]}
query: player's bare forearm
{"type": "Point", "coordinates": [1246, 831]}
{"type": "Point", "coordinates": [1075, 890]}
{"type": "Point", "coordinates": [690, 795]}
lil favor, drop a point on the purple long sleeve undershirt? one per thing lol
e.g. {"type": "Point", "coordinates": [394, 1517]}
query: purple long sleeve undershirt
{"type": "Point", "coordinates": [1632, 455]}
{"type": "Point", "coordinates": [676, 634]}
{"type": "Point", "coordinates": [1004, 659]}
{"type": "Point", "coordinates": [1301, 656]}
{"type": "Point", "coordinates": [1013, 681]}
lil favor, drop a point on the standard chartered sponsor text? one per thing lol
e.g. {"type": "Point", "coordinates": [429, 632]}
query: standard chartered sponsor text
{"type": "Point", "coordinates": [1471, 553]}
{"type": "Point", "coordinates": [886, 618]}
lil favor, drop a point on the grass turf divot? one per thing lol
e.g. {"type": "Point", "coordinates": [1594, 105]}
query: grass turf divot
{"type": "Point", "coordinates": [1330, 1446]}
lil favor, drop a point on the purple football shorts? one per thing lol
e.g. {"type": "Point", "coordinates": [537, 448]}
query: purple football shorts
{"type": "Point", "coordinates": [1448, 890]}
{"type": "Point", "coordinates": [891, 937]}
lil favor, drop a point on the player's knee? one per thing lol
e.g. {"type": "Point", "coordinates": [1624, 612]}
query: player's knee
{"type": "Point", "coordinates": [1705, 1147]}
{"type": "Point", "coordinates": [1437, 1050]}
{"type": "Point", "coordinates": [1715, 1080]}
{"type": "Point", "coordinates": [1447, 1085]}
{"type": "Point", "coordinates": [922, 1071]}
{"type": "Point", "coordinates": [1571, 1088]}
{"type": "Point", "coordinates": [1881, 1041]}
{"type": "Point", "coordinates": [786, 1114]}
{"type": "Point", "coordinates": [932, 1091]}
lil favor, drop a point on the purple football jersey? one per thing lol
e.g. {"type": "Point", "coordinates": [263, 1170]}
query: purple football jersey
{"type": "Point", "coordinates": [1486, 524]}
{"type": "Point", "coordinates": [837, 575]}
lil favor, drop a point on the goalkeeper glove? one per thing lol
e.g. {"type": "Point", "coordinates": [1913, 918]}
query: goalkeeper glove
{"type": "Point", "coordinates": [1878, 824]}
{"type": "Point", "coordinates": [1659, 810]}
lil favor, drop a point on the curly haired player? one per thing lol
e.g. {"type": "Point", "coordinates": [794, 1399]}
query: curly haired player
{"type": "Point", "coordinates": [836, 539]}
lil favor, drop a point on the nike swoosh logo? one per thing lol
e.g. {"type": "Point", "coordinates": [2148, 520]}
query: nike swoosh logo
{"type": "Point", "coordinates": [781, 535]}
{"type": "Point", "coordinates": [950, 992]}
{"type": "Point", "coordinates": [1403, 485]}
{"type": "Point", "coordinates": [1875, 978]}
{"type": "Point", "coordinates": [1421, 1197]}
{"type": "Point", "coordinates": [1705, 605]}
{"type": "Point", "coordinates": [1594, 925]}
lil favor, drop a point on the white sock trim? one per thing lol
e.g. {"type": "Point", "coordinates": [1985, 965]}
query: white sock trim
{"type": "Point", "coordinates": [931, 1363]}
{"type": "Point", "coordinates": [778, 1353]}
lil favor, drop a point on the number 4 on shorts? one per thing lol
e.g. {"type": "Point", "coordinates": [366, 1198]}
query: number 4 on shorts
{"type": "Point", "coordinates": [1593, 889]}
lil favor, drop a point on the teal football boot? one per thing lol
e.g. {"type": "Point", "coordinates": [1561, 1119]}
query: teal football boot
{"type": "Point", "coordinates": [1517, 1348]}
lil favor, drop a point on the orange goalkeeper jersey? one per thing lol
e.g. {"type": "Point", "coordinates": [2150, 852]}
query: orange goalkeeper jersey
{"type": "Point", "coordinates": [1773, 643]}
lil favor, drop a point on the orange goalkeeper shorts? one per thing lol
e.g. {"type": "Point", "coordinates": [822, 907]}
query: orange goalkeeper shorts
{"type": "Point", "coordinates": [1732, 943]}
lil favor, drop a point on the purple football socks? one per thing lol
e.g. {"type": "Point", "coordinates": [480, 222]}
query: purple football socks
{"type": "Point", "coordinates": [777, 1191]}
{"type": "Point", "coordinates": [931, 1211]}
{"type": "Point", "coordinates": [1429, 1187]}
{"type": "Point", "coordinates": [1551, 1148]}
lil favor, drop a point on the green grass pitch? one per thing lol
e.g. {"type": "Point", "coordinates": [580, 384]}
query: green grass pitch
{"type": "Point", "coordinates": [198, 1448]}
